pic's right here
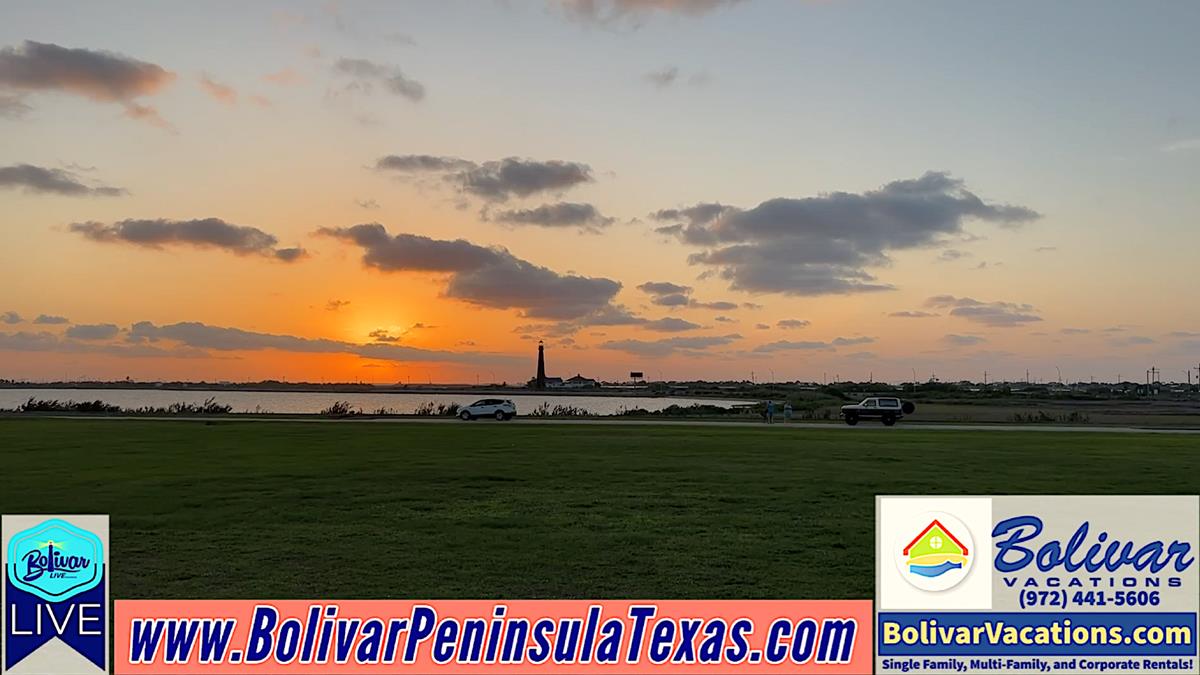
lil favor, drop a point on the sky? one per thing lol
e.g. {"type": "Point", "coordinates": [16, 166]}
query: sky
{"type": "Point", "coordinates": [716, 189]}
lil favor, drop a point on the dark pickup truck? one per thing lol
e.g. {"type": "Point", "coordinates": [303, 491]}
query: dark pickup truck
{"type": "Point", "coordinates": [883, 408]}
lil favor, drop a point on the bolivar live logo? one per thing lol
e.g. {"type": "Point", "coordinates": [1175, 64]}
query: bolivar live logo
{"type": "Point", "coordinates": [55, 594]}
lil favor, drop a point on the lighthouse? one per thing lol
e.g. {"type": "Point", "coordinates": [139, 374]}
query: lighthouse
{"type": "Point", "coordinates": [540, 382]}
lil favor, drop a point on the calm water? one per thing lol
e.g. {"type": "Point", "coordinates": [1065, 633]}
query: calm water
{"type": "Point", "coordinates": [312, 402]}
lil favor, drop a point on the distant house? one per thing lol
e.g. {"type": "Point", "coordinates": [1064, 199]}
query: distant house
{"type": "Point", "coordinates": [577, 382]}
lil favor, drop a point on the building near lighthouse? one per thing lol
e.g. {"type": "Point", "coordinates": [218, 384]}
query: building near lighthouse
{"type": "Point", "coordinates": [542, 381]}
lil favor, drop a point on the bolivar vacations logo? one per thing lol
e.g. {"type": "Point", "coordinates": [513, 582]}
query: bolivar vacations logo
{"type": "Point", "coordinates": [55, 594]}
{"type": "Point", "coordinates": [938, 557]}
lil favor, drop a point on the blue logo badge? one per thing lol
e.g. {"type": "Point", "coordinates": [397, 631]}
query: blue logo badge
{"type": "Point", "coordinates": [55, 560]}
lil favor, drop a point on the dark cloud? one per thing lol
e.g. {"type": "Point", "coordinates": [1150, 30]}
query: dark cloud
{"type": "Point", "coordinates": [724, 319]}
{"type": "Point", "coordinates": [36, 179]}
{"type": "Point", "coordinates": [1003, 314]}
{"type": "Point", "coordinates": [420, 163]}
{"type": "Point", "coordinates": [495, 180]}
{"type": "Point", "coordinates": [670, 324]}
{"type": "Point", "coordinates": [913, 314]}
{"type": "Point", "coordinates": [762, 326]}
{"type": "Point", "coordinates": [668, 346]}
{"type": "Point", "coordinates": [24, 341]}
{"type": "Point", "coordinates": [811, 345]}
{"type": "Point", "coordinates": [100, 76]}
{"type": "Point", "coordinates": [221, 93]}
{"type": "Point", "coordinates": [217, 338]}
{"type": "Point", "coordinates": [10, 318]}
{"type": "Point", "coordinates": [825, 244]}
{"type": "Point", "coordinates": [490, 277]}
{"type": "Point", "coordinates": [204, 232]}
{"type": "Point", "coordinates": [523, 177]}
{"type": "Point", "coordinates": [561, 214]}
{"type": "Point", "coordinates": [381, 335]}
{"type": "Point", "coordinates": [634, 12]}
{"type": "Point", "coordinates": [51, 320]}
{"type": "Point", "coordinates": [97, 331]}
{"type": "Point", "coordinates": [667, 294]}
{"type": "Point", "coordinates": [368, 74]}
{"type": "Point", "coordinates": [793, 323]}
{"type": "Point", "coordinates": [963, 340]}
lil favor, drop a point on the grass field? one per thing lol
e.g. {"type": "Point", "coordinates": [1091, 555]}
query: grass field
{"type": "Point", "coordinates": [354, 510]}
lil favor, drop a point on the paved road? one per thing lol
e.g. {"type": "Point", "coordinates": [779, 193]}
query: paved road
{"type": "Point", "coordinates": [864, 427]}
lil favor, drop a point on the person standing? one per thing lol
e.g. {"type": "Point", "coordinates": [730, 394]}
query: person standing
{"type": "Point", "coordinates": [787, 411]}
{"type": "Point", "coordinates": [770, 412]}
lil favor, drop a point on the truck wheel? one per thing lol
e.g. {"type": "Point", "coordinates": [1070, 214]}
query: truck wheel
{"type": "Point", "coordinates": [851, 419]}
{"type": "Point", "coordinates": [465, 416]}
{"type": "Point", "coordinates": [908, 407]}
{"type": "Point", "coordinates": [889, 420]}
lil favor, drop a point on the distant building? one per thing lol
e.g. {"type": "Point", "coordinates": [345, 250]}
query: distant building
{"type": "Point", "coordinates": [541, 381]}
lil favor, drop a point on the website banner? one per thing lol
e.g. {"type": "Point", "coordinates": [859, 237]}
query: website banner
{"type": "Point", "coordinates": [1018, 584]}
{"type": "Point", "coordinates": [485, 636]}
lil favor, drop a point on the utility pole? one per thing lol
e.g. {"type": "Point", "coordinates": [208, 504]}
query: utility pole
{"type": "Point", "coordinates": [985, 378]}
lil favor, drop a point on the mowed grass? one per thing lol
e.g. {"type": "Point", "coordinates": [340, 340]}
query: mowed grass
{"type": "Point", "coordinates": [487, 510]}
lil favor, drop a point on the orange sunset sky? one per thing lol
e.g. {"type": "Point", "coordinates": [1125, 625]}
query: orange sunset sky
{"type": "Point", "coordinates": [420, 191]}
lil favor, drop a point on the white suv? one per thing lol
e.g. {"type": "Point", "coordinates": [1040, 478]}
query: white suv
{"type": "Point", "coordinates": [501, 409]}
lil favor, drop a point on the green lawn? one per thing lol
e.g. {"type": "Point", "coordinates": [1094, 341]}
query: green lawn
{"type": "Point", "coordinates": [360, 510]}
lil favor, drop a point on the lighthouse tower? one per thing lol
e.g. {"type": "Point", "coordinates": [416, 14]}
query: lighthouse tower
{"type": "Point", "coordinates": [540, 382]}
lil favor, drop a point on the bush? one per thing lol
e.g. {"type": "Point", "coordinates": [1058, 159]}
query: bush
{"type": "Point", "coordinates": [559, 410]}
{"type": "Point", "coordinates": [339, 409]}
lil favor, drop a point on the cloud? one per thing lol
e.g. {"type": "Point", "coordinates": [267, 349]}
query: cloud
{"type": "Point", "coordinates": [218, 338]}
{"type": "Point", "coordinates": [911, 314]}
{"type": "Point", "coordinates": [1075, 331]}
{"type": "Point", "coordinates": [419, 163]}
{"type": "Point", "coordinates": [668, 346]}
{"type": "Point", "coordinates": [963, 340]}
{"type": "Point", "coordinates": [1131, 341]}
{"type": "Point", "coordinates": [663, 78]}
{"type": "Point", "coordinates": [1185, 145]}
{"type": "Point", "coordinates": [952, 254]}
{"type": "Point", "coordinates": [369, 204]}
{"type": "Point", "coordinates": [793, 323]}
{"type": "Point", "coordinates": [10, 318]}
{"type": "Point", "coordinates": [811, 345]}
{"type": "Point", "coordinates": [381, 335]}
{"type": "Point", "coordinates": [494, 180]}
{"type": "Point", "coordinates": [489, 277]}
{"type": "Point", "coordinates": [39, 180]}
{"type": "Point", "coordinates": [789, 345]}
{"type": "Point", "coordinates": [50, 320]}
{"type": "Point", "coordinates": [43, 341]}
{"type": "Point", "coordinates": [221, 93]}
{"type": "Point", "coordinates": [1181, 334]}
{"type": "Point", "coordinates": [367, 74]}
{"type": "Point", "coordinates": [100, 76]}
{"type": "Point", "coordinates": [724, 319]}
{"type": "Point", "coordinates": [667, 294]}
{"type": "Point", "coordinates": [204, 233]}
{"type": "Point", "coordinates": [668, 76]}
{"type": "Point", "coordinates": [561, 214]}
{"type": "Point", "coordinates": [13, 107]}
{"type": "Point", "coordinates": [97, 331]}
{"type": "Point", "coordinates": [762, 326]}
{"type": "Point", "coordinates": [1003, 314]}
{"type": "Point", "coordinates": [284, 78]}
{"type": "Point", "coordinates": [670, 324]}
{"type": "Point", "coordinates": [335, 305]}
{"type": "Point", "coordinates": [1045, 249]}
{"type": "Point", "coordinates": [825, 244]}
{"type": "Point", "coordinates": [635, 12]}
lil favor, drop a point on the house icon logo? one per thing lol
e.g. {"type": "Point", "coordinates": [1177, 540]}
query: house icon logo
{"type": "Point", "coordinates": [939, 556]}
